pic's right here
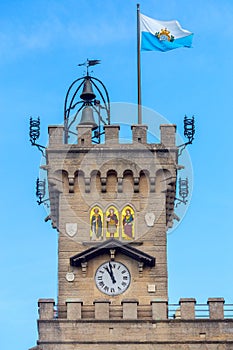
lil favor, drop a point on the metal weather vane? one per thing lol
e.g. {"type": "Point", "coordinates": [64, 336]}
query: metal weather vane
{"type": "Point", "coordinates": [88, 63]}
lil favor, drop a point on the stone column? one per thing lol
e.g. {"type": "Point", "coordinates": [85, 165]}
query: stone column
{"type": "Point", "coordinates": [102, 309]}
{"type": "Point", "coordinates": [187, 308]}
{"type": "Point", "coordinates": [74, 309]}
{"type": "Point", "coordinates": [46, 309]}
{"type": "Point", "coordinates": [216, 310]}
{"type": "Point", "coordinates": [130, 311]}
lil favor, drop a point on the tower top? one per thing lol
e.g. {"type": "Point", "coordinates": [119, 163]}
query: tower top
{"type": "Point", "coordinates": [94, 99]}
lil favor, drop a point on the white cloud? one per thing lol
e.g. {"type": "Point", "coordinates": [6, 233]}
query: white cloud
{"type": "Point", "coordinates": [17, 39]}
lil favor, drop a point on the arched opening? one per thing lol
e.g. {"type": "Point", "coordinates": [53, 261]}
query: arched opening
{"type": "Point", "coordinates": [95, 182]}
{"type": "Point", "coordinates": [128, 182]}
{"type": "Point", "coordinates": [61, 181]}
{"type": "Point", "coordinates": [144, 183]}
{"type": "Point", "coordinates": [79, 184]}
{"type": "Point", "coordinates": [112, 182]}
{"type": "Point", "coordinates": [161, 180]}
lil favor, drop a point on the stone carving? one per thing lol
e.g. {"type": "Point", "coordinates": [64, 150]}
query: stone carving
{"type": "Point", "coordinates": [71, 228]}
{"type": "Point", "coordinates": [70, 276]}
{"type": "Point", "coordinates": [150, 219]}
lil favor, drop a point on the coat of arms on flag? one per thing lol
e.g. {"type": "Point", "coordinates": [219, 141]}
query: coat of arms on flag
{"type": "Point", "coordinates": [164, 34]}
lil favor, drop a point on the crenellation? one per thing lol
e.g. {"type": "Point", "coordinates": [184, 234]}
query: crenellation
{"type": "Point", "coordinates": [74, 309]}
{"type": "Point", "coordinates": [102, 309]}
{"type": "Point", "coordinates": [139, 133]}
{"type": "Point", "coordinates": [187, 308]}
{"type": "Point", "coordinates": [84, 135]}
{"type": "Point", "coordinates": [55, 135]}
{"type": "Point", "coordinates": [111, 134]}
{"type": "Point", "coordinates": [46, 309]}
{"type": "Point", "coordinates": [129, 308]}
{"type": "Point", "coordinates": [216, 308]}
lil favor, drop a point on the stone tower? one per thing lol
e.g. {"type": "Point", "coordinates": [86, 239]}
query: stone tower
{"type": "Point", "coordinates": [112, 203]}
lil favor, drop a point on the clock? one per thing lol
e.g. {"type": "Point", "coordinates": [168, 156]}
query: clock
{"type": "Point", "coordinates": [112, 278]}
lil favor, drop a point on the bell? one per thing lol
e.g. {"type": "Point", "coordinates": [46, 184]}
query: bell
{"type": "Point", "coordinates": [87, 94]}
{"type": "Point", "coordinates": [87, 117]}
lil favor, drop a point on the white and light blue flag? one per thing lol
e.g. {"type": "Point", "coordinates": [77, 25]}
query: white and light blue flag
{"type": "Point", "coordinates": [163, 35]}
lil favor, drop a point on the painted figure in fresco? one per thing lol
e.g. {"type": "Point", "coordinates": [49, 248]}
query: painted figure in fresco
{"type": "Point", "coordinates": [96, 224]}
{"type": "Point", "coordinates": [128, 223]}
{"type": "Point", "coordinates": [112, 222]}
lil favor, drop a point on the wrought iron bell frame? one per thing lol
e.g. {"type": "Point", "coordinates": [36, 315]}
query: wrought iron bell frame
{"type": "Point", "coordinates": [71, 102]}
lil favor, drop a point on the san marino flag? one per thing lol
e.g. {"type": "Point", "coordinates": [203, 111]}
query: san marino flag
{"type": "Point", "coordinates": [163, 35]}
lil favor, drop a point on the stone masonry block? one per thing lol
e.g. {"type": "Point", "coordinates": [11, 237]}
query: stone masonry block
{"type": "Point", "coordinates": [101, 309]}
{"type": "Point", "coordinates": [130, 309]}
{"type": "Point", "coordinates": [46, 309]}
{"type": "Point", "coordinates": [168, 135]}
{"type": "Point", "coordinates": [187, 308]}
{"type": "Point", "coordinates": [139, 133]}
{"type": "Point", "coordinates": [74, 309]}
{"type": "Point", "coordinates": [159, 309]}
{"type": "Point", "coordinates": [111, 134]}
{"type": "Point", "coordinates": [84, 135]}
{"type": "Point", "coordinates": [216, 310]}
{"type": "Point", "coordinates": [55, 135]}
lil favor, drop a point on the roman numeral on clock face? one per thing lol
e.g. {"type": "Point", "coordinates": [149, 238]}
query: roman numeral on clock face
{"type": "Point", "coordinates": [101, 284]}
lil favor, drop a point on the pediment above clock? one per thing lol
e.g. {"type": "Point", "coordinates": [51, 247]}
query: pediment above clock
{"type": "Point", "coordinates": [106, 247]}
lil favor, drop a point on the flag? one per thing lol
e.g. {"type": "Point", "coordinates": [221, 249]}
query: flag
{"type": "Point", "coordinates": [163, 35]}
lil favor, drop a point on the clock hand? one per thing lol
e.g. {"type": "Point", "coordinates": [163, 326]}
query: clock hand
{"type": "Point", "coordinates": [107, 269]}
{"type": "Point", "coordinates": [111, 273]}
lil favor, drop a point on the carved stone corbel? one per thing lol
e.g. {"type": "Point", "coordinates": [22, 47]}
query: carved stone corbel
{"type": "Point", "coordinates": [140, 268]}
{"type": "Point", "coordinates": [112, 254]}
{"type": "Point", "coordinates": [71, 184]}
{"type": "Point", "coordinates": [103, 181]}
{"type": "Point", "coordinates": [136, 184]}
{"type": "Point", "coordinates": [152, 184]}
{"type": "Point", "coordinates": [87, 181]}
{"type": "Point", "coordinates": [84, 268]}
{"type": "Point", "coordinates": [120, 184]}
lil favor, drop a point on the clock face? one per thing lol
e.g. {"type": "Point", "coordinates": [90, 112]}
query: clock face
{"type": "Point", "coordinates": [112, 278]}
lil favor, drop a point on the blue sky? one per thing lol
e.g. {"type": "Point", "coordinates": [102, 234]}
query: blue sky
{"type": "Point", "coordinates": [41, 43]}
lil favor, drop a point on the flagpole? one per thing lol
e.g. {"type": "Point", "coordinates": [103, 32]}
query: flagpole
{"type": "Point", "coordinates": [139, 66]}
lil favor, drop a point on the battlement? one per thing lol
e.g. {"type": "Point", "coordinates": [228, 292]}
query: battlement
{"type": "Point", "coordinates": [103, 309]}
{"type": "Point", "coordinates": [139, 135]}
